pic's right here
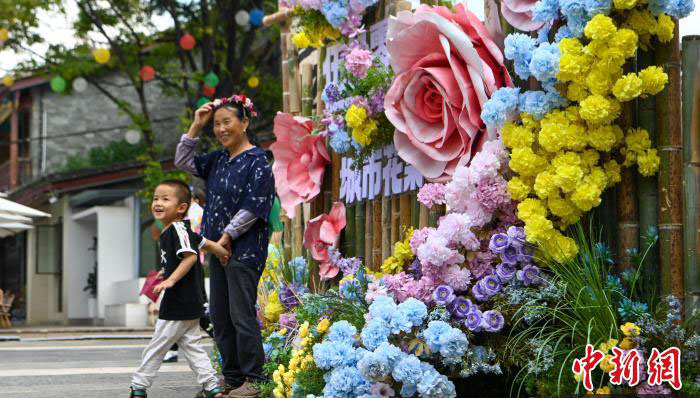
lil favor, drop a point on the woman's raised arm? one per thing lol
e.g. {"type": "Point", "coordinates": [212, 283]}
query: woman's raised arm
{"type": "Point", "coordinates": [186, 149]}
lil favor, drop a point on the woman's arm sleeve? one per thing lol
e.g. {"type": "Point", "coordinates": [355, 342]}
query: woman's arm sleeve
{"type": "Point", "coordinates": [240, 223]}
{"type": "Point", "coordinates": [184, 155]}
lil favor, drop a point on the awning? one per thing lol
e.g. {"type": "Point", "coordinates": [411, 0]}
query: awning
{"type": "Point", "coordinates": [11, 207]}
{"type": "Point", "coordinates": [11, 228]}
{"type": "Point", "coordinates": [16, 218]}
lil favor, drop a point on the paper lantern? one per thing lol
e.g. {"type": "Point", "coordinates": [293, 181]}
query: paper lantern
{"type": "Point", "coordinates": [242, 17]}
{"type": "Point", "coordinates": [253, 81]}
{"type": "Point", "coordinates": [211, 79]}
{"type": "Point", "coordinates": [58, 84]}
{"type": "Point", "coordinates": [4, 34]}
{"type": "Point", "coordinates": [208, 91]}
{"type": "Point", "coordinates": [187, 42]}
{"type": "Point", "coordinates": [147, 73]}
{"type": "Point", "coordinates": [79, 85]}
{"type": "Point", "coordinates": [202, 101]}
{"type": "Point", "coordinates": [8, 80]}
{"type": "Point", "coordinates": [256, 16]}
{"type": "Point", "coordinates": [102, 55]}
{"type": "Point", "coordinates": [132, 136]}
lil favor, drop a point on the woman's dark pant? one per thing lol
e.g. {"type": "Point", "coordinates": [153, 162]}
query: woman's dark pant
{"type": "Point", "coordinates": [233, 293]}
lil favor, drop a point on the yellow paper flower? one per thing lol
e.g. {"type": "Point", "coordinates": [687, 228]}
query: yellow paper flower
{"type": "Point", "coordinates": [517, 136]}
{"type": "Point", "coordinates": [545, 185]}
{"type": "Point", "coordinates": [304, 329]}
{"type": "Point", "coordinates": [648, 162]}
{"type": "Point", "coordinates": [597, 109]}
{"type": "Point", "coordinates": [518, 189]}
{"type": "Point", "coordinates": [355, 116]}
{"type": "Point", "coordinates": [600, 27]}
{"type": "Point", "coordinates": [602, 138]}
{"type": "Point", "coordinates": [273, 308]}
{"type": "Point", "coordinates": [576, 92]}
{"type": "Point", "coordinates": [323, 325]}
{"type": "Point", "coordinates": [586, 196]}
{"type": "Point", "coordinates": [628, 343]}
{"type": "Point", "coordinates": [560, 247]}
{"type": "Point", "coordinates": [537, 228]}
{"type": "Point", "coordinates": [525, 162]}
{"type": "Point", "coordinates": [629, 329]}
{"type": "Point", "coordinates": [570, 46]}
{"type": "Point", "coordinates": [530, 208]}
{"type": "Point", "coordinates": [567, 177]}
{"type": "Point", "coordinates": [664, 28]}
{"type": "Point", "coordinates": [637, 140]}
{"type": "Point", "coordinates": [625, 4]}
{"type": "Point", "coordinates": [301, 40]}
{"type": "Point", "coordinates": [626, 41]}
{"type": "Point", "coordinates": [603, 391]}
{"type": "Point", "coordinates": [653, 79]}
{"type": "Point", "coordinates": [628, 87]}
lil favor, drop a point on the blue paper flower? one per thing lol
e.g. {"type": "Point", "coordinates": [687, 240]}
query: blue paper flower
{"type": "Point", "coordinates": [342, 332]}
{"type": "Point", "coordinates": [519, 47]}
{"type": "Point", "coordinates": [408, 371]}
{"type": "Point", "coordinates": [544, 64]}
{"type": "Point", "coordinates": [375, 332]}
{"type": "Point", "coordinates": [382, 307]}
{"type": "Point", "coordinates": [374, 366]}
{"type": "Point", "coordinates": [453, 345]}
{"type": "Point", "coordinates": [545, 10]}
{"type": "Point", "coordinates": [329, 355]}
{"type": "Point", "coordinates": [535, 103]}
{"type": "Point", "coordinates": [336, 12]}
{"type": "Point", "coordinates": [503, 102]}
{"type": "Point", "coordinates": [433, 333]}
{"type": "Point", "coordinates": [392, 353]}
{"type": "Point", "coordinates": [435, 385]}
{"type": "Point", "coordinates": [415, 311]}
{"type": "Point", "coordinates": [594, 7]}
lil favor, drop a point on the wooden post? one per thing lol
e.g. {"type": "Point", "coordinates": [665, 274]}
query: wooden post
{"type": "Point", "coordinates": [298, 232]}
{"type": "Point", "coordinates": [628, 219]}
{"type": "Point", "coordinates": [670, 170]}
{"type": "Point", "coordinates": [369, 237]}
{"type": "Point", "coordinates": [395, 219]}
{"type": "Point", "coordinates": [647, 188]}
{"type": "Point", "coordinates": [405, 210]}
{"type": "Point", "coordinates": [360, 229]}
{"type": "Point", "coordinates": [423, 216]}
{"type": "Point", "coordinates": [415, 209]}
{"type": "Point", "coordinates": [350, 239]}
{"type": "Point", "coordinates": [386, 226]}
{"type": "Point", "coordinates": [14, 145]}
{"type": "Point", "coordinates": [691, 160]}
{"type": "Point", "coordinates": [294, 83]}
{"type": "Point", "coordinates": [377, 237]}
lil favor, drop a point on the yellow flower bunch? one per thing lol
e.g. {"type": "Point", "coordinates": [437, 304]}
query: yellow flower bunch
{"type": "Point", "coordinates": [301, 359]}
{"type": "Point", "coordinates": [362, 127]}
{"type": "Point", "coordinates": [629, 329]}
{"type": "Point", "coordinates": [315, 37]}
{"type": "Point", "coordinates": [643, 22]}
{"type": "Point", "coordinates": [402, 255]}
{"type": "Point", "coordinates": [273, 308]}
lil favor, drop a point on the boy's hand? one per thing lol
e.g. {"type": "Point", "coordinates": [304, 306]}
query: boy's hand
{"type": "Point", "coordinates": [225, 243]}
{"type": "Point", "coordinates": [166, 284]}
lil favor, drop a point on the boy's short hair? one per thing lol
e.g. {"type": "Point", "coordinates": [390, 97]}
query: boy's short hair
{"type": "Point", "coordinates": [182, 191]}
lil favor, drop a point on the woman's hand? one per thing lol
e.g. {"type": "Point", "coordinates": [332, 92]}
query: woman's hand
{"type": "Point", "coordinates": [225, 242]}
{"type": "Point", "coordinates": [201, 118]}
{"type": "Point", "coordinates": [166, 284]}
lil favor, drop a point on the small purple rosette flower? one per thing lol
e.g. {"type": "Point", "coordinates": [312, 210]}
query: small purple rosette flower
{"type": "Point", "coordinates": [288, 296]}
{"type": "Point", "coordinates": [529, 275]}
{"type": "Point", "coordinates": [490, 285]}
{"type": "Point", "coordinates": [478, 292]}
{"type": "Point", "coordinates": [505, 272]}
{"type": "Point", "coordinates": [492, 321]}
{"type": "Point", "coordinates": [499, 243]}
{"type": "Point", "coordinates": [510, 255]}
{"type": "Point", "coordinates": [525, 254]}
{"type": "Point", "coordinates": [473, 321]}
{"type": "Point", "coordinates": [460, 307]}
{"type": "Point", "coordinates": [517, 235]}
{"type": "Point", "coordinates": [443, 295]}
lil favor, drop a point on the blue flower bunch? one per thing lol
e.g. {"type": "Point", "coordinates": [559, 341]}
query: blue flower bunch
{"type": "Point", "coordinates": [450, 342]}
{"type": "Point", "coordinates": [338, 12]}
{"type": "Point", "coordinates": [397, 318]}
{"type": "Point", "coordinates": [530, 59]}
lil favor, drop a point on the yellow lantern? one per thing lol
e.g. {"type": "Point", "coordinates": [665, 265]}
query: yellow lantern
{"type": "Point", "coordinates": [8, 80]}
{"type": "Point", "coordinates": [102, 55]}
{"type": "Point", "coordinates": [253, 81]}
{"type": "Point", "coordinates": [4, 34]}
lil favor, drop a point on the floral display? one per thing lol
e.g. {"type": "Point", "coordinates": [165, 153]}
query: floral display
{"type": "Point", "coordinates": [436, 99]}
{"type": "Point", "coordinates": [322, 233]}
{"type": "Point", "coordinates": [519, 14]}
{"type": "Point", "coordinates": [300, 161]}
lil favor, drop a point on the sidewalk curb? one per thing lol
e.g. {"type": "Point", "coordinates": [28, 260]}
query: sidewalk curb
{"type": "Point", "coordinates": [86, 337]}
{"type": "Point", "coordinates": [9, 338]}
{"type": "Point", "coordinates": [87, 329]}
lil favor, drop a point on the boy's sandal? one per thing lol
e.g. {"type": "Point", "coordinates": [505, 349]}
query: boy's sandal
{"type": "Point", "coordinates": [213, 393]}
{"type": "Point", "coordinates": [138, 393]}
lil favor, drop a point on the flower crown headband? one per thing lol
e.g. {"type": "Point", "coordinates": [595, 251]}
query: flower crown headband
{"type": "Point", "coordinates": [241, 99]}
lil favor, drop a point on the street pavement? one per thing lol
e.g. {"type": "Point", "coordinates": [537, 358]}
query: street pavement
{"type": "Point", "coordinates": [86, 368]}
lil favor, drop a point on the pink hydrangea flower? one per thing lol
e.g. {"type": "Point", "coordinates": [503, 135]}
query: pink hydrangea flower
{"type": "Point", "coordinates": [310, 4]}
{"type": "Point", "coordinates": [482, 264]}
{"type": "Point", "coordinates": [419, 236]}
{"type": "Point", "coordinates": [432, 194]}
{"type": "Point", "coordinates": [492, 193]}
{"type": "Point", "coordinates": [435, 251]}
{"type": "Point", "coordinates": [375, 289]}
{"type": "Point", "coordinates": [457, 278]}
{"type": "Point", "coordinates": [358, 61]}
{"type": "Point", "coordinates": [456, 227]}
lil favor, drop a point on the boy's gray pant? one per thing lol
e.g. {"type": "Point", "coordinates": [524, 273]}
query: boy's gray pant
{"type": "Point", "coordinates": [187, 335]}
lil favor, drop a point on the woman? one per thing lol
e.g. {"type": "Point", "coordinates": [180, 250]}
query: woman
{"type": "Point", "coordinates": [240, 192]}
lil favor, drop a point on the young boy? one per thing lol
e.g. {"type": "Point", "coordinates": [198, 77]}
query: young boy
{"type": "Point", "coordinates": [183, 301]}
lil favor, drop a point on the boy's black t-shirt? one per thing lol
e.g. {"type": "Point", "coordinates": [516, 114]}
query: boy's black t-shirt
{"type": "Point", "coordinates": [185, 300]}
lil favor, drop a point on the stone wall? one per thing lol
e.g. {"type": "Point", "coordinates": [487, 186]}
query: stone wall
{"type": "Point", "coordinates": [70, 121]}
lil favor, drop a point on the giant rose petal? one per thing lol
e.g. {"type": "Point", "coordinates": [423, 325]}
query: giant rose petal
{"type": "Point", "coordinates": [300, 161]}
{"type": "Point", "coordinates": [447, 66]}
{"type": "Point", "coordinates": [323, 231]}
{"type": "Point", "coordinates": [519, 14]}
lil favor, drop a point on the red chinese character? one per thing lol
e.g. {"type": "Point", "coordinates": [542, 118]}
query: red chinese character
{"type": "Point", "coordinates": [626, 368]}
{"type": "Point", "coordinates": [665, 366]}
{"type": "Point", "coordinates": [587, 364]}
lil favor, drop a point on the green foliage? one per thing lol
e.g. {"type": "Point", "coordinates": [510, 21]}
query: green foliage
{"type": "Point", "coordinates": [310, 381]}
{"type": "Point", "coordinates": [110, 154]}
{"type": "Point", "coordinates": [153, 174]}
{"type": "Point", "coordinates": [332, 306]}
{"type": "Point", "coordinates": [20, 18]}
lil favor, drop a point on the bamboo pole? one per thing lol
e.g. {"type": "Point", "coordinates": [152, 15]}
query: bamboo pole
{"type": "Point", "coordinates": [316, 205]}
{"type": "Point", "coordinates": [294, 83]}
{"type": "Point", "coordinates": [298, 232]}
{"type": "Point", "coordinates": [360, 229]}
{"type": "Point", "coordinates": [423, 216]}
{"type": "Point", "coordinates": [386, 227]}
{"type": "Point", "coordinates": [405, 211]}
{"type": "Point", "coordinates": [691, 160]}
{"type": "Point", "coordinates": [647, 186]}
{"type": "Point", "coordinates": [415, 209]}
{"type": "Point", "coordinates": [395, 219]}
{"type": "Point", "coordinates": [378, 238]}
{"type": "Point", "coordinates": [628, 218]}
{"type": "Point", "coordinates": [670, 170]}
{"type": "Point", "coordinates": [285, 40]}
{"type": "Point", "coordinates": [349, 247]}
{"type": "Point", "coordinates": [369, 237]}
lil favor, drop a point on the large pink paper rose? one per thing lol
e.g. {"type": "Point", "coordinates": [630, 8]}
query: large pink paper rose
{"type": "Point", "coordinates": [321, 234]}
{"type": "Point", "coordinates": [447, 66]}
{"type": "Point", "coordinates": [519, 14]}
{"type": "Point", "coordinates": [300, 161]}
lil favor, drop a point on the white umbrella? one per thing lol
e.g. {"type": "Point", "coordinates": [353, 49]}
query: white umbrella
{"type": "Point", "coordinates": [18, 209]}
{"type": "Point", "coordinates": [10, 217]}
{"type": "Point", "coordinates": [11, 228]}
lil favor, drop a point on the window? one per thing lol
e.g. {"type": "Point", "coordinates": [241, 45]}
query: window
{"type": "Point", "coordinates": [49, 243]}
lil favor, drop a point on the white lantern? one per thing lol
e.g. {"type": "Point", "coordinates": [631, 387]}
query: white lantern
{"type": "Point", "coordinates": [242, 17]}
{"type": "Point", "coordinates": [79, 85]}
{"type": "Point", "coordinates": [133, 137]}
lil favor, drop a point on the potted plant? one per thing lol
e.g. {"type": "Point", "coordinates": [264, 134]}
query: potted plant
{"type": "Point", "coordinates": [91, 286]}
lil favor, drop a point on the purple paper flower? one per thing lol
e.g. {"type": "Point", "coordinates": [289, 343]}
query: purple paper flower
{"type": "Point", "coordinates": [499, 243]}
{"type": "Point", "coordinates": [505, 272]}
{"type": "Point", "coordinates": [525, 254]}
{"type": "Point", "coordinates": [529, 275]}
{"type": "Point", "coordinates": [331, 94]}
{"type": "Point", "coordinates": [478, 292]}
{"type": "Point", "coordinates": [460, 307]}
{"type": "Point", "coordinates": [490, 285]}
{"type": "Point", "coordinates": [517, 235]}
{"type": "Point", "coordinates": [510, 255]}
{"type": "Point", "coordinates": [443, 295]}
{"type": "Point", "coordinates": [288, 320]}
{"type": "Point", "coordinates": [416, 269]}
{"type": "Point", "coordinates": [492, 321]}
{"type": "Point", "coordinates": [473, 321]}
{"type": "Point", "coordinates": [288, 296]}
{"type": "Point", "coordinates": [376, 101]}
